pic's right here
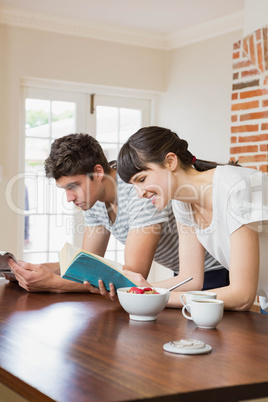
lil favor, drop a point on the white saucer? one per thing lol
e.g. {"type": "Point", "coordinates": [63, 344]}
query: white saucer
{"type": "Point", "coordinates": [187, 347]}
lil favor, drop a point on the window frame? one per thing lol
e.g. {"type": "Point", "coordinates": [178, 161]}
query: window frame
{"type": "Point", "coordinates": [85, 119]}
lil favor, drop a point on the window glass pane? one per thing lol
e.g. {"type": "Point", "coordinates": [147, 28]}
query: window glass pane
{"type": "Point", "coordinates": [35, 258]}
{"type": "Point", "coordinates": [37, 117]}
{"type": "Point", "coordinates": [38, 229]}
{"type": "Point", "coordinates": [45, 121]}
{"type": "Point", "coordinates": [36, 187]}
{"type": "Point", "coordinates": [110, 255]}
{"type": "Point", "coordinates": [130, 122]}
{"type": "Point", "coordinates": [53, 257]}
{"type": "Point", "coordinates": [107, 123]}
{"type": "Point", "coordinates": [110, 151]}
{"type": "Point", "coordinates": [120, 257]}
{"type": "Point", "coordinates": [61, 229]}
{"type": "Point", "coordinates": [36, 149]}
{"type": "Point", "coordinates": [63, 118]}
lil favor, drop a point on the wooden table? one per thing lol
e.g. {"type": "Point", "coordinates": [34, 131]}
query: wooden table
{"type": "Point", "coordinates": [81, 347]}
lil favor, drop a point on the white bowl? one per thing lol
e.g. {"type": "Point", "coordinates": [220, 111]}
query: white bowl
{"type": "Point", "coordinates": [143, 307]}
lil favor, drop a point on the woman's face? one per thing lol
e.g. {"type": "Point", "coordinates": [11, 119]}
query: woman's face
{"type": "Point", "coordinates": [154, 184]}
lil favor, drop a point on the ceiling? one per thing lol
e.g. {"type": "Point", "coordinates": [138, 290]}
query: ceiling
{"type": "Point", "coordinates": [155, 16]}
{"type": "Point", "coordinates": [162, 24]}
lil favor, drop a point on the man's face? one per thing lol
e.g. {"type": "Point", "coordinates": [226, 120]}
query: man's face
{"type": "Point", "coordinates": [80, 189]}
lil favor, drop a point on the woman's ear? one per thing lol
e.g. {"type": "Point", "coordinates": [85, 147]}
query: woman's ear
{"type": "Point", "coordinates": [98, 172]}
{"type": "Point", "coordinates": [171, 161]}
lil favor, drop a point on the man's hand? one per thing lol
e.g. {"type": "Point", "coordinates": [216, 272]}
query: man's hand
{"type": "Point", "coordinates": [33, 277]}
{"type": "Point", "coordinates": [38, 278]}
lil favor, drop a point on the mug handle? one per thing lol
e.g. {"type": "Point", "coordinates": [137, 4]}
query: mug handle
{"type": "Point", "coordinates": [189, 317]}
{"type": "Point", "coordinates": [181, 299]}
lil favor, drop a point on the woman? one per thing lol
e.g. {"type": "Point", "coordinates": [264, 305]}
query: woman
{"type": "Point", "coordinates": [221, 208]}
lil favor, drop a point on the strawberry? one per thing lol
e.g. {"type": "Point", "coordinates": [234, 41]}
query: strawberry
{"type": "Point", "coordinates": [136, 290]}
{"type": "Point", "coordinates": [147, 289]}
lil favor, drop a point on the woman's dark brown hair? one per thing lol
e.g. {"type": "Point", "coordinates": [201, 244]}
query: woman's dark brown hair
{"type": "Point", "coordinates": [151, 145]}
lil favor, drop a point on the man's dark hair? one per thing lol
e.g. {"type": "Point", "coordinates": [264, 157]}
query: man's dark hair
{"type": "Point", "coordinates": [75, 154]}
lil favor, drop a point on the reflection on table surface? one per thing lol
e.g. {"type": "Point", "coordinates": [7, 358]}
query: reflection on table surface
{"type": "Point", "coordinates": [68, 347]}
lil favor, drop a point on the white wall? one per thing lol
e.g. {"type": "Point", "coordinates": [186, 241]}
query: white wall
{"type": "Point", "coordinates": [195, 81]}
{"type": "Point", "coordinates": [197, 103]}
{"type": "Point", "coordinates": [34, 53]}
{"type": "Point", "coordinates": [255, 15]}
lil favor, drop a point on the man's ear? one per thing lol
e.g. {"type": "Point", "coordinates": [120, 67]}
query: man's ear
{"type": "Point", "coordinates": [98, 172]}
{"type": "Point", "coordinates": [171, 161]}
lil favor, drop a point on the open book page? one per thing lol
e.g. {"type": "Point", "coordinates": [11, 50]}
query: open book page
{"type": "Point", "coordinates": [66, 255]}
{"type": "Point", "coordinates": [4, 267]}
{"type": "Point", "coordinates": [79, 265]}
{"type": "Point", "coordinates": [69, 252]}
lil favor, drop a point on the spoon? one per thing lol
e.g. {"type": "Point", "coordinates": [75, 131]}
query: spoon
{"type": "Point", "coordinates": [178, 284]}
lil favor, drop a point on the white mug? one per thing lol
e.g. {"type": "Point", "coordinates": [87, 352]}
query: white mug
{"type": "Point", "coordinates": [196, 295]}
{"type": "Point", "coordinates": [206, 313]}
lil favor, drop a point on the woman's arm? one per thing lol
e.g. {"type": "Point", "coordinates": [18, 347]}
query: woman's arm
{"type": "Point", "coordinates": [244, 271]}
{"type": "Point", "coordinates": [191, 258]}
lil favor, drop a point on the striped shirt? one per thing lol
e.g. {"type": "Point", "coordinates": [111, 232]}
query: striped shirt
{"type": "Point", "coordinates": [135, 213]}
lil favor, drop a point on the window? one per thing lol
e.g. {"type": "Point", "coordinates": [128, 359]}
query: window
{"type": "Point", "coordinates": [49, 114]}
{"type": "Point", "coordinates": [116, 119]}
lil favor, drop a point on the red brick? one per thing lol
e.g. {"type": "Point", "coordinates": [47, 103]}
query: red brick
{"type": "Point", "coordinates": [235, 76]}
{"type": "Point", "coordinates": [249, 73]}
{"type": "Point", "coordinates": [252, 49]}
{"type": "Point", "coordinates": [253, 138]}
{"type": "Point", "coordinates": [244, 129]}
{"type": "Point", "coordinates": [264, 168]}
{"type": "Point", "coordinates": [260, 56]}
{"type": "Point", "coordinates": [234, 118]}
{"type": "Point", "coordinates": [242, 150]}
{"type": "Point", "coordinates": [265, 46]}
{"type": "Point", "coordinates": [234, 96]}
{"type": "Point", "coordinates": [254, 116]}
{"type": "Point", "coordinates": [264, 147]}
{"type": "Point", "coordinates": [256, 92]}
{"type": "Point", "coordinates": [265, 103]}
{"type": "Point", "coordinates": [246, 84]}
{"type": "Point", "coordinates": [265, 81]}
{"type": "Point", "coordinates": [253, 158]}
{"type": "Point", "coordinates": [258, 34]}
{"type": "Point", "coordinates": [236, 55]}
{"type": "Point", "coordinates": [264, 126]}
{"type": "Point", "coordinates": [233, 140]}
{"type": "Point", "coordinates": [237, 45]}
{"type": "Point", "coordinates": [246, 105]}
{"type": "Point", "coordinates": [242, 64]}
{"type": "Point", "coordinates": [251, 167]}
{"type": "Point", "coordinates": [245, 45]}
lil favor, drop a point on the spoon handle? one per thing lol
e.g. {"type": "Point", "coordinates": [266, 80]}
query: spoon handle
{"type": "Point", "coordinates": [181, 283]}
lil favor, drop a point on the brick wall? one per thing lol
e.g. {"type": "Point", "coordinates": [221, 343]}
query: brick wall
{"type": "Point", "coordinates": [249, 117]}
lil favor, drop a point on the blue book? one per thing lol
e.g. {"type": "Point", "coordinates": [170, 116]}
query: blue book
{"type": "Point", "coordinates": [79, 265]}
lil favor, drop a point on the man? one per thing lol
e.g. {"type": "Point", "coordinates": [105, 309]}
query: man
{"type": "Point", "coordinates": [110, 206]}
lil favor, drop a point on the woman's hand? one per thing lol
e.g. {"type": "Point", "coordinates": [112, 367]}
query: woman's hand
{"type": "Point", "coordinates": [136, 278]}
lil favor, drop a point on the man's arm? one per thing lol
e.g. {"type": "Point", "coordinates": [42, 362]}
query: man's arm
{"type": "Point", "coordinates": [46, 278]}
{"type": "Point", "coordinates": [140, 248]}
{"type": "Point", "coordinates": [96, 239]}
{"type": "Point", "coordinates": [39, 278]}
